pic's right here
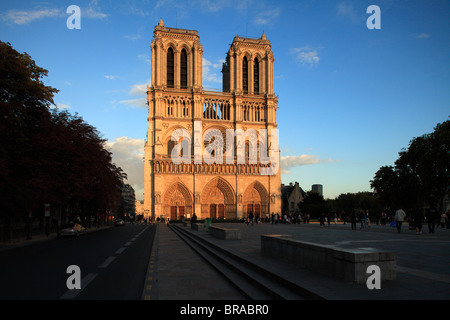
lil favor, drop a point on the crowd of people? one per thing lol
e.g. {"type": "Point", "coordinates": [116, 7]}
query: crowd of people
{"type": "Point", "coordinates": [416, 218]}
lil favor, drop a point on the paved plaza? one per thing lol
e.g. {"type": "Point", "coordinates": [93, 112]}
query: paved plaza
{"type": "Point", "coordinates": [423, 262]}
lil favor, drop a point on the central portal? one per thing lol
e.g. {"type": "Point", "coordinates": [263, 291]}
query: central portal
{"type": "Point", "coordinates": [218, 200]}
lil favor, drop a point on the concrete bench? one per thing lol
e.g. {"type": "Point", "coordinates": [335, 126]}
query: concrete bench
{"type": "Point", "coordinates": [225, 233]}
{"type": "Point", "coordinates": [198, 226]}
{"type": "Point", "coordinates": [341, 263]}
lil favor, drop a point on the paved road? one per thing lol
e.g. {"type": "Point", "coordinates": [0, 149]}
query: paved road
{"type": "Point", "coordinates": [113, 263]}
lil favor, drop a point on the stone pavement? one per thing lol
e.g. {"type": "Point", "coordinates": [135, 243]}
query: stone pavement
{"type": "Point", "coordinates": [423, 262]}
{"type": "Point", "coordinates": [181, 274]}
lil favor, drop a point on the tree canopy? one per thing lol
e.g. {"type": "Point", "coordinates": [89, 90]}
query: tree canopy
{"type": "Point", "coordinates": [420, 175]}
{"type": "Point", "coordinates": [48, 155]}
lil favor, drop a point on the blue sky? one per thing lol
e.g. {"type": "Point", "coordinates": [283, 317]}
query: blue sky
{"type": "Point", "coordinates": [350, 98]}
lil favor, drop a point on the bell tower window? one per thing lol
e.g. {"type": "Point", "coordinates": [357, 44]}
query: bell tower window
{"type": "Point", "coordinates": [170, 68]}
{"type": "Point", "coordinates": [245, 75]}
{"type": "Point", "coordinates": [183, 69]}
{"type": "Point", "coordinates": [256, 76]}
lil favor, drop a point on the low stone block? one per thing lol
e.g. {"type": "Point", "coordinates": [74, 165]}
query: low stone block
{"type": "Point", "coordinates": [225, 233]}
{"type": "Point", "coordinates": [346, 264]}
{"type": "Point", "coordinates": [198, 227]}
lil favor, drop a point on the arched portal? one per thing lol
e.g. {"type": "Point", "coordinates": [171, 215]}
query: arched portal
{"type": "Point", "coordinates": [177, 201]}
{"type": "Point", "coordinates": [256, 200]}
{"type": "Point", "coordinates": [218, 200]}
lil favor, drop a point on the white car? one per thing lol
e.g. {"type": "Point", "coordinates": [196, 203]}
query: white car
{"type": "Point", "coordinates": [119, 222]}
{"type": "Point", "coordinates": [72, 229]}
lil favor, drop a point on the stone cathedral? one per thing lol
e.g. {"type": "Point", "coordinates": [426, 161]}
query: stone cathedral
{"type": "Point", "coordinates": [211, 153]}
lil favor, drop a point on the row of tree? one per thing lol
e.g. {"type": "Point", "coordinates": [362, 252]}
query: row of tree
{"type": "Point", "coordinates": [48, 155]}
{"type": "Point", "coordinates": [419, 179]}
{"type": "Point", "coordinates": [420, 176]}
{"type": "Point", "coordinates": [342, 206]}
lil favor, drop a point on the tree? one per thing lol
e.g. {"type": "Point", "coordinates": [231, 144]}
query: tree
{"type": "Point", "coordinates": [385, 184]}
{"type": "Point", "coordinates": [421, 174]}
{"type": "Point", "coordinates": [314, 204]}
{"type": "Point", "coordinates": [350, 202]}
{"type": "Point", "coordinates": [48, 155]}
{"type": "Point", "coordinates": [24, 103]}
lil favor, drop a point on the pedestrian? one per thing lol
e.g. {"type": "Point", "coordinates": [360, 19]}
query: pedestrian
{"type": "Point", "coordinates": [362, 219]}
{"type": "Point", "coordinates": [399, 218]}
{"type": "Point", "coordinates": [447, 213]}
{"type": "Point", "coordinates": [432, 218]}
{"type": "Point", "coordinates": [250, 218]}
{"type": "Point", "coordinates": [383, 218]}
{"type": "Point", "coordinates": [417, 217]}
{"type": "Point", "coordinates": [353, 220]}
{"type": "Point", "coordinates": [29, 224]}
{"type": "Point", "coordinates": [194, 219]}
{"type": "Point", "coordinates": [367, 219]}
{"type": "Point", "coordinates": [443, 220]}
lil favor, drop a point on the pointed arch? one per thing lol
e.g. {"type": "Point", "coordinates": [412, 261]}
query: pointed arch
{"type": "Point", "coordinates": [256, 76]}
{"type": "Point", "coordinates": [218, 199]}
{"type": "Point", "coordinates": [256, 200]}
{"type": "Point", "coordinates": [245, 74]}
{"type": "Point", "coordinates": [170, 68]}
{"type": "Point", "coordinates": [177, 201]}
{"type": "Point", "coordinates": [183, 69]}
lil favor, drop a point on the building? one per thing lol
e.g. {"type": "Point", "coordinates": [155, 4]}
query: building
{"type": "Point", "coordinates": [128, 202]}
{"type": "Point", "coordinates": [291, 196]}
{"type": "Point", "coordinates": [317, 188]}
{"type": "Point", "coordinates": [212, 153]}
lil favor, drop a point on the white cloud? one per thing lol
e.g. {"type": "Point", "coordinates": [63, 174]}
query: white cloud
{"type": "Point", "coordinates": [306, 56]}
{"type": "Point", "coordinates": [345, 10]}
{"type": "Point", "coordinates": [288, 162]}
{"type": "Point", "coordinates": [128, 154]}
{"type": "Point", "coordinates": [63, 106]}
{"type": "Point", "coordinates": [423, 36]}
{"type": "Point", "coordinates": [22, 17]}
{"type": "Point", "coordinates": [60, 106]}
{"type": "Point", "coordinates": [133, 37]}
{"type": "Point", "coordinates": [93, 11]}
{"type": "Point", "coordinates": [146, 58]}
{"type": "Point", "coordinates": [211, 70]}
{"type": "Point", "coordinates": [140, 91]}
{"type": "Point", "coordinates": [140, 102]}
{"type": "Point", "coordinates": [111, 77]}
{"type": "Point", "coordinates": [267, 16]}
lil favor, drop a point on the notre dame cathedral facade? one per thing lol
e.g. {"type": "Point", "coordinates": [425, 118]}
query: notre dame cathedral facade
{"type": "Point", "coordinates": [212, 153]}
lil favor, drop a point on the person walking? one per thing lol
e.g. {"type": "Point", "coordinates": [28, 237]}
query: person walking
{"type": "Point", "coordinates": [443, 220]}
{"type": "Point", "coordinates": [250, 218]}
{"type": "Point", "coordinates": [367, 222]}
{"type": "Point", "coordinates": [353, 220]}
{"type": "Point", "coordinates": [194, 219]}
{"type": "Point", "coordinates": [399, 218]}
{"type": "Point", "coordinates": [432, 218]}
{"type": "Point", "coordinates": [417, 218]}
{"type": "Point", "coordinates": [362, 219]}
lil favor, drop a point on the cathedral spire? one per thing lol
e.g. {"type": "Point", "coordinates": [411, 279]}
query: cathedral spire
{"type": "Point", "coordinates": [263, 37]}
{"type": "Point", "coordinates": [161, 23]}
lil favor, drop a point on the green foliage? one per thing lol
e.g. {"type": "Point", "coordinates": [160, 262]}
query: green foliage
{"type": "Point", "coordinates": [421, 174]}
{"type": "Point", "coordinates": [314, 204]}
{"type": "Point", "coordinates": [47, 155]}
